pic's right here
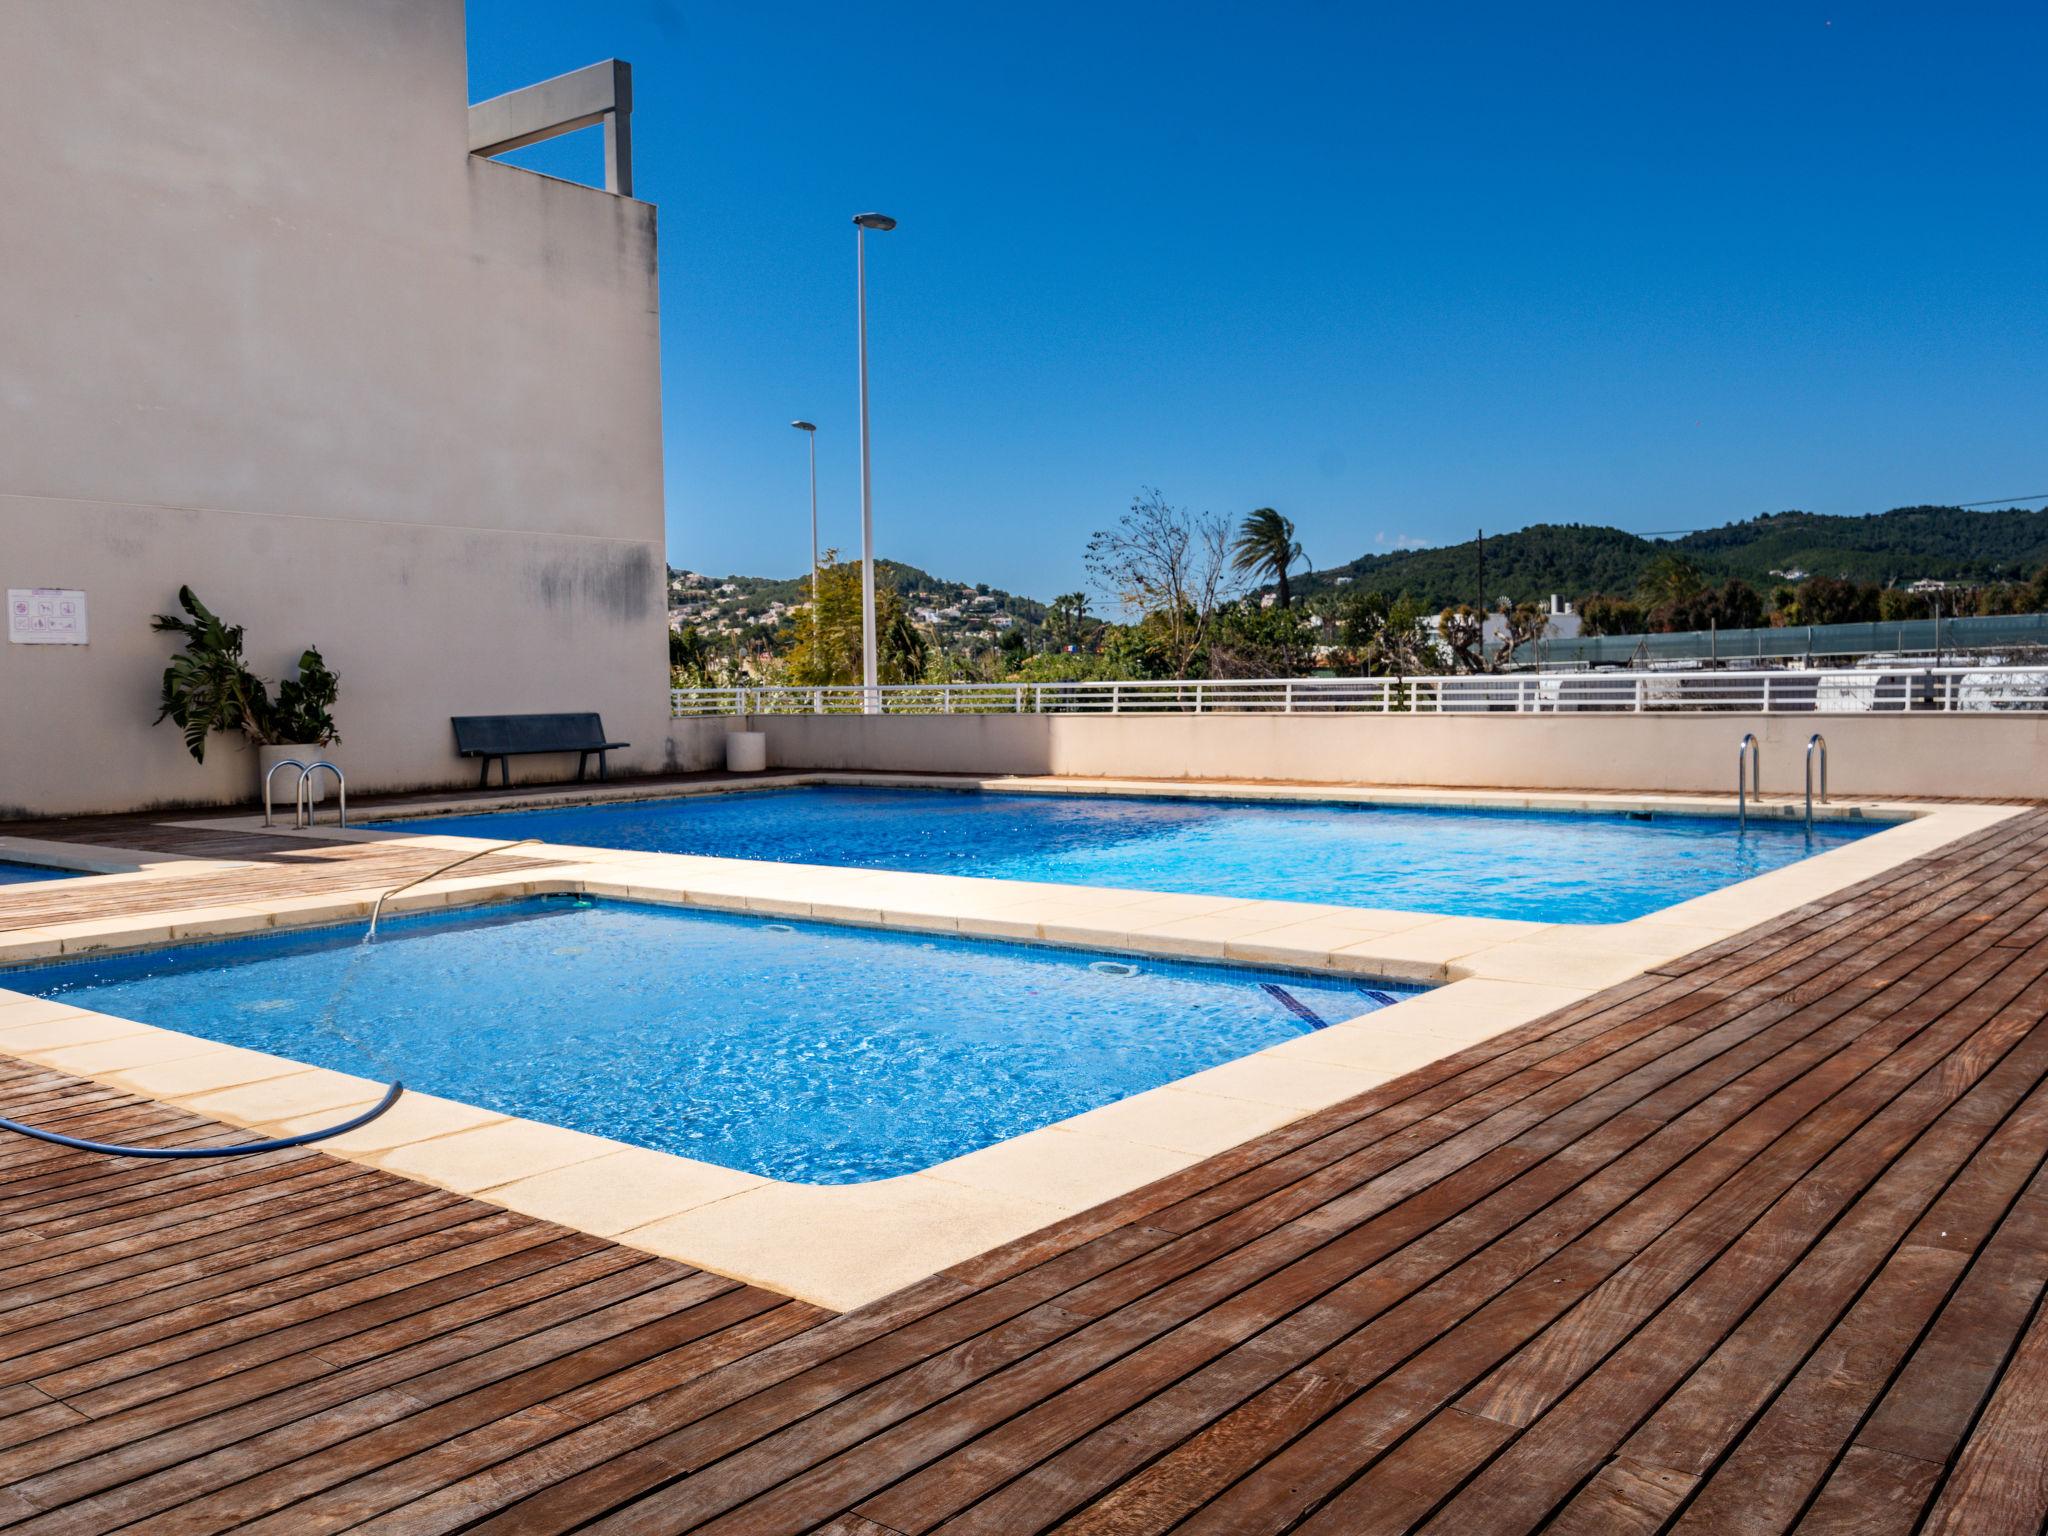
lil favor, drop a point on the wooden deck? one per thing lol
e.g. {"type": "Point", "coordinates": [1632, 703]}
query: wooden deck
{"type": "Point", "coordinates": [1755, 1242]}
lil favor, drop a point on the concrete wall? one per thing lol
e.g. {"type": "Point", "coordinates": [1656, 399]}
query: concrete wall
{"type": "Point", "coordinates": [267, 328]}
{"type": "Point", "coordinates": [1904, 755]}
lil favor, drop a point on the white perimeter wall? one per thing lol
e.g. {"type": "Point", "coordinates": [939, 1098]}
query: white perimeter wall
{"type": "Point", "coordinates": [268, 329]}
{"type": "Point", "coordinates": [1902, 755]}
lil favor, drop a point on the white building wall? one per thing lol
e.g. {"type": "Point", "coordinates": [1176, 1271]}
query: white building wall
{"type": "Point", "coordinates": [268, 329]}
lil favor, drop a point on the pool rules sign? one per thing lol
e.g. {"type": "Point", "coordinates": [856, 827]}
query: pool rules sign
{"type": "Point", "coordinates": [45, 616]}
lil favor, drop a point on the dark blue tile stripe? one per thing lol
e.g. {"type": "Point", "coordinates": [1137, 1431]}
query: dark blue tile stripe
{"type": "Point", "coordinates": [1295, 1005]}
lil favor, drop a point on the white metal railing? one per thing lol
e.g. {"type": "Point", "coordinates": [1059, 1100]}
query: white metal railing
{"type": "Point", "coordinates": [1861, 690]}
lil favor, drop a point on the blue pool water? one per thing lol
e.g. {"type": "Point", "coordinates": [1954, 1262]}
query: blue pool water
{"type": "Point", "coordinates": [1545, 866]}
{"type": "Point", "coordinates": [21, 874]}
{"type": "Point", "coordinates": [798, 1050]}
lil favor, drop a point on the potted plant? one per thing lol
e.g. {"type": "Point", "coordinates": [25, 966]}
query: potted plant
{"type": "Point", "coordinates": [209, 688]}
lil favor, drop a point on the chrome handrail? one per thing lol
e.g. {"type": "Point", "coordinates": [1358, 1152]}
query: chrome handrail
{"type": "Point", "coordinates": [282, 762]}
{"type": "Point", "coordinates": [304, 808]}
{"type": "Point", "coordinates": [377, 910]}
{"type": "Point", "coordinates": [1749, 749]}
{"type": "Point", "coordinates": [1813, 741]}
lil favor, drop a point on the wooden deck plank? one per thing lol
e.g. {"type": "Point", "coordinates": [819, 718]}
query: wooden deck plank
{"type": "Point", "coordinates": [1752, 1242]}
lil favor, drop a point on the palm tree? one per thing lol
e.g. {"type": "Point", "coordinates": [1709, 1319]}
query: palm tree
{"type": "Point", "coordinates": [1266, 543]}
{"type": "Point", "coordinates": [1066, 620]}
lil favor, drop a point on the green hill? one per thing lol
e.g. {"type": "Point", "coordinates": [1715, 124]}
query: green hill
{"type": "Point", "coordinates": [1574, 559]}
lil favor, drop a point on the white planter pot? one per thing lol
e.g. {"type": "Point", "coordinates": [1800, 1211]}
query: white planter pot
{"type": "Point", "coordinates": [286, 784]}
{"type": "Point", "coordinates": [745, 751]}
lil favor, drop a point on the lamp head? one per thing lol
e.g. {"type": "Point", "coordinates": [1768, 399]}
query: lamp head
{"type": "Point", "coordinates": [804, 426]}
{"type": "Point", "coordinates": [874, 221]}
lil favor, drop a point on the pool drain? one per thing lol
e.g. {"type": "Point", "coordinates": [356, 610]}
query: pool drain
{"type": "Point", "coordinates": [1112, 968]}
{"type": "Point", "coordinates": [778, 928]}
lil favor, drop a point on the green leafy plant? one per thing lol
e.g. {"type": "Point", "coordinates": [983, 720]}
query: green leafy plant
{"type": "Point", "coordinates": [209, 687]}
{"type": "Point", "coordinates": [304, 711]}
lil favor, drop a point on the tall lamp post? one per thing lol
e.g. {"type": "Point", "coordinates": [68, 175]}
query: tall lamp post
{"type": "Point", "coordinates": [870, 674]}
{"type": "Point", "coordinates": [810, 432]}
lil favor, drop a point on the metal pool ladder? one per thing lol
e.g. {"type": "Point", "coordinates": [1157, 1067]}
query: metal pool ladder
{"type": "Point", "coordinates": [1820, 742]}
{"type": "Point", "coordinates": [303, 816]}
{"type": "Point", "coordinates": [1750, 751]}
{"type": "Point", "coordinates": [282, 762]}
{"type": "Point", "coordinates": [302, 801]}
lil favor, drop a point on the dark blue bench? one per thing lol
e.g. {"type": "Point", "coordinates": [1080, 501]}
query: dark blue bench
{"type": "Point", "coordinates": [504, 737]}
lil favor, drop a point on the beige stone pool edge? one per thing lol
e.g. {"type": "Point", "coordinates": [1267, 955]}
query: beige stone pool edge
{"type": "Point", "coordinates": [843, 1245]}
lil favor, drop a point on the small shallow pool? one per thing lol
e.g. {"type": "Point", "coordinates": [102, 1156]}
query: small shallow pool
{"type": "Point", "coordinates": [802, 1051]}
{"type": "Point", "coordinates": [1543, 866]}
{"type": "Point", "coordinates": [21, 874]}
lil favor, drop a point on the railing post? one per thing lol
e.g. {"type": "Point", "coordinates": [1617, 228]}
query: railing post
{"type": "Point", "coordinates": [945, 698]}
{"type": "Point", "coordinates": [1116, 698]}
{"type": "Point", "coordinates": [817, 701]}
{"type": "Point", "coordinates": [1288, 706]}
{"type": "Point", "coordinates": [1767, 693]}
{"type": "Point", "coordinates": [1640, 691]}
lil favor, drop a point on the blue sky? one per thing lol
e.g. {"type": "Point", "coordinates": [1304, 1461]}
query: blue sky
{"type": "Point", "coordinates": [1397, 270]}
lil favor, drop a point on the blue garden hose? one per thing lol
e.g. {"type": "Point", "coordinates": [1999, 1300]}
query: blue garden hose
{"type": "Point", "coordinates": [390, 1098]}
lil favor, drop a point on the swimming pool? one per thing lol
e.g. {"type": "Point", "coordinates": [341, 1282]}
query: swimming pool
{"type": "Point", "coordinates": [21, 874]}
{"type": "Point", "coordinates": [801, 1051]}
{"type": "Point", "coordinates": [1543, 866]}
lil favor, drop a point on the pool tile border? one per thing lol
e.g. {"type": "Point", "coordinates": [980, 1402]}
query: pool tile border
{"type": "Point", "coordinates": [840, 1246]}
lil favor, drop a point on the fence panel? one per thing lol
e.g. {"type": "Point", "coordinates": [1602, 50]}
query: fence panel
{"type": "Point", "coordinates": [1861, 690]}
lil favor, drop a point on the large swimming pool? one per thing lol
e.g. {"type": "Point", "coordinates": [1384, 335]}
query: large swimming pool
{"type": "Point", "coordinates": [801, 1051]}
{"type": "Point", "coordinates": [21, 874]}
{"type": "Point", "coordinates": [1545, 866]}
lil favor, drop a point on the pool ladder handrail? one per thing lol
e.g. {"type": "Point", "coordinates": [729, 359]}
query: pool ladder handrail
{"type": "Point", "coordinates": [377, 910]}
{"type": "Point", "coordinates": [1816, 740]}
{"type": "Point", "coordinates": [1751, 751]}
{"type": "Point", "coordinates": [282, 762]}
{"type": "Point", "coordinates": [304, 812]}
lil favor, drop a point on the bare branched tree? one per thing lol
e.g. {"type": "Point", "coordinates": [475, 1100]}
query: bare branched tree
{"type": "Point", "coordinates": [1168, 566]}
{"type": "Point", "coordinates": [1462, 628]}
{"type": "Point", "coordinates": [1526, 624]}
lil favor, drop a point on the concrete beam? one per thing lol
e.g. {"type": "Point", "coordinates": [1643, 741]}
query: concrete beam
{"type": "Point", "coordinates": [583, 98]}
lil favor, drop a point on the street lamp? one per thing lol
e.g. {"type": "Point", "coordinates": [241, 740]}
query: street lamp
{"type": "Point", "coordinates": [810, 432]}
{"type": "Point", "coordinates": [870, 696]}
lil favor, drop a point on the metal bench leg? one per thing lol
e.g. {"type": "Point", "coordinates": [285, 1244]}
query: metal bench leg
{"type": "Point", "coordinates": [483, 780]}
{"type": "Point", "coordinates": [603, 769]}
{"type": "Point", "coordinates": [505, 771]}
{"type": "Point", "coordinates": [582, 762]}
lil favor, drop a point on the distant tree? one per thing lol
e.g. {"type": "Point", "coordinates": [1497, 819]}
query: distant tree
{"type": "Point", "coordinates": [1896, 604]}
{"type": "Point", "coordinates": [1463, 629]}
{"type": "Point", "coordinates": [827, 652]}
{"type": "Point", "coordinates": [1252, 641]}
{"type": "Point", "coordinates": [1386, 638]}
{"type": "Point", "coordinates": [1829, 600]}
{"type": "Point", "coordinates": [1669, 579]}
{"type": "Point", "coordinates": [1169, 566]}
{"type": "Point", "coordinates": [1061, 667]}
{"type": "Point", "coordinates": [688, 657]}
{"type": "Point", "coordinates": [901, 645]}
{"type": "Point", "coordinates": [2035, 597]}
{"type": "Point", "coordinates": [1734, 604]}
{"type": "Point", "coordinates": [1066, 621]}
{"type": "Point", "coordinates": [1266, 546]}
{"type": "Point", "coordinates": [1525, 625]}
{"type": "Point", "coordinates": [1604, 615]}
